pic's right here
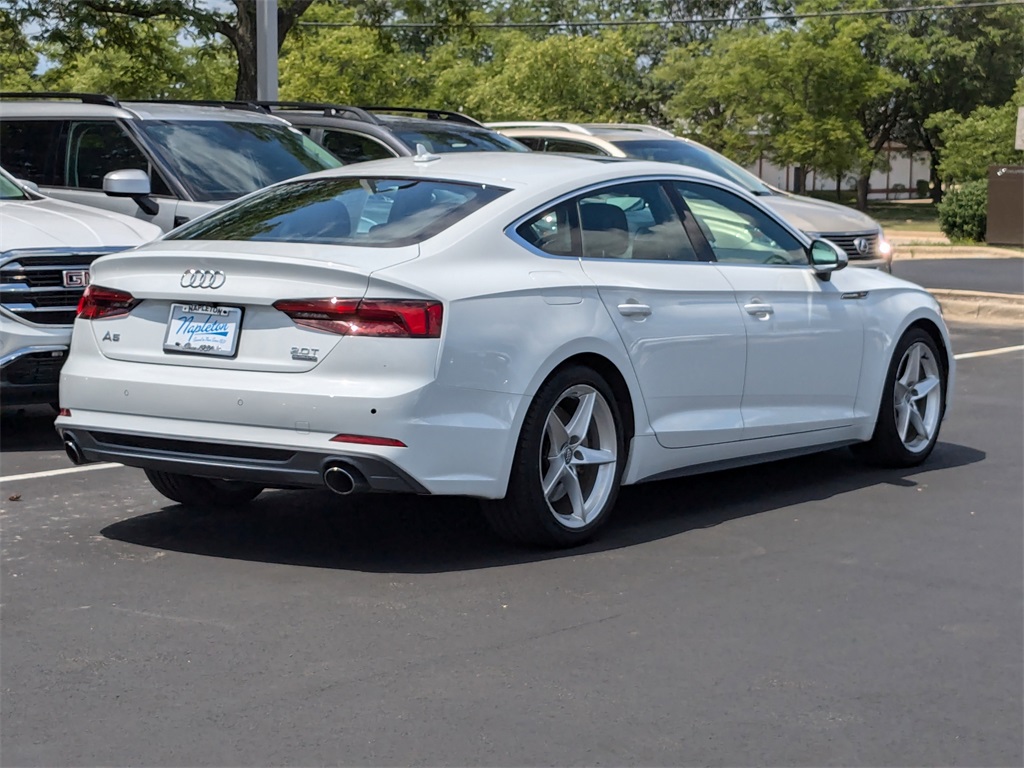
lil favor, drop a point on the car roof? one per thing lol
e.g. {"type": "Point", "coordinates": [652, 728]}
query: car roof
{"type": "Point", "coordinates": [533, 171]}
{"type": "Point", "coordinates": [131, 110]}
{"type": "Point", "coordinates": [384, 121]}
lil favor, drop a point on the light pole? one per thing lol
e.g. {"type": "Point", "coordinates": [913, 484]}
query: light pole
{"type": "Point", "coordinates": [266, 50]}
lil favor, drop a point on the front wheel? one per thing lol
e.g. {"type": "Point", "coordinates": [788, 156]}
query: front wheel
{"type": "Point", "coordinates": [568, 464]}
{"type": "Point", "coordinates": [913, 403]}
{"type": "Point", "coordinates": [202, 492]}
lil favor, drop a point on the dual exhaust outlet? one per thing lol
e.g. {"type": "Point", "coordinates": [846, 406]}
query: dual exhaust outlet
{"type": "Point", "coordinates": [340, 477]}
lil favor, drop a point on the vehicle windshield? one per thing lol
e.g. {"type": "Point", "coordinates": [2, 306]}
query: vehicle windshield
{"type": "Point", "coordinates": [695, 156]}
{"type": "Point", "coordinates": [453, 139]}
{"type": "Point", "coordinates": [368, 211]}
{"type": "Point", "coordinates": [9, 190]}
{"type": "Point", "coordinates": [222, 160]}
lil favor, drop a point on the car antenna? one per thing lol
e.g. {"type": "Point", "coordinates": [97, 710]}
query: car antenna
{"type": "Point", "coordinates": [422, 156]}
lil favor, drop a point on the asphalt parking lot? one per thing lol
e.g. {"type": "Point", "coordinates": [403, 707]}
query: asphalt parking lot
{"type": "Point", "coordinates": [806, 612]}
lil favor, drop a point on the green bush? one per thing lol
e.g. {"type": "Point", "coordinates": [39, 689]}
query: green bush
{"type": "Point", "coordinates": [963, 211]}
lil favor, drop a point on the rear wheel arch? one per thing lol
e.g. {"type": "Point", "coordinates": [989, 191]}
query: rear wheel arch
{"type": "Point", "coordinates": [611, 374]}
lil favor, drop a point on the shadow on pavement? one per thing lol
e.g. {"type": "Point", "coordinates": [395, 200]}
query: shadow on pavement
{"type": "Point", "coordinates": [395, 534]}
{"type": "Point", "coordinates": [29, 428]}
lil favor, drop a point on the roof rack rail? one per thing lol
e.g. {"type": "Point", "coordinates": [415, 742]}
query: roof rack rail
{"type": "Point", "coordinates": [636, 127]}
{"type": "Point", "coordinates": [329, 110]}
{"type": "Point", "coordinates": [85, 98]}
{"type": "Point", "coordinates": [431, 114]}
{"type": "Point", "coordinates": [246, 105]}
{"type": "Point", "coordinates": [549, 124]}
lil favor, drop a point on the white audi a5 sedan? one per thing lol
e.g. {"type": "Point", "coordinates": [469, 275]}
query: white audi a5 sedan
{"type": "Point", "coordinates": [534, 331]}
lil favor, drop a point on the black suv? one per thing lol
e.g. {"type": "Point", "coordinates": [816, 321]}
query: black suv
{"type": "Point", "coordinates": [356, 134]}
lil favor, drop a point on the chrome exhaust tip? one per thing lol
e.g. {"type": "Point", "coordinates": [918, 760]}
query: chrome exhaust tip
{"type": "Point", "coordinates": [344, 480]}
{"type": "Point", "coordinates": [73, 451]}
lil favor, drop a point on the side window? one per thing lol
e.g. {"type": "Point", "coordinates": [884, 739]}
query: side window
{"type": "Point", "coordinates": [353, 148]}
{"type": "Point", "coordinates": [551, 231]}
{"type": "Point", "coordinates": [30, 150]}
{"type": "Point", "coordinates": [532, 142]}
{"type": "Point", "coordinates": [738, 232]}
{"type": "Point", "coordinates": [567, 145]}
{"type": "Point", "coordinates": [633, 221]}
{"type": "Point", "coordinates": [95, 148]}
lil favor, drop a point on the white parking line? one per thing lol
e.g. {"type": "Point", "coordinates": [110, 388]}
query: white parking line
{"type": "Point", "coordinates": [989, 352]}
{"type": "Point", "coordinates": [55, 472]}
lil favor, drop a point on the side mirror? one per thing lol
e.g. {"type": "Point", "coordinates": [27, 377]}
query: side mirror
{"type": "Point", "coordinates": [826, 258]}
{"type": "Point", "coordinates": [133, 183]}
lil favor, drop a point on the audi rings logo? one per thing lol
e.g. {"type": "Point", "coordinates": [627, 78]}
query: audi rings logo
{"type": "Point", "coordinates": [863, 245]}
{"type": "Point", "coordinates": [203, 278]}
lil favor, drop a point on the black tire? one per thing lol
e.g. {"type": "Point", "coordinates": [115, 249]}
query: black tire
{"type": "Point", "coordinates": [590, 462]}
{"type": "Point", "coordinates": [908, 422]}
{"type": "Point", "coordinates": [203, 493]}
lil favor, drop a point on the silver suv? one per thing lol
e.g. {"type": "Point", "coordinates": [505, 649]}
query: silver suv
{"type": "Point", "coordinates": [46, 249]}
{"type": "Point", "coordinates": [163, 162]}
{"type": "Point", "coordinates": [856, 233]}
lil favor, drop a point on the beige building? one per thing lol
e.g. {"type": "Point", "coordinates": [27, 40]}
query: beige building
{"type": "Point", "coordinates": [897, 183]}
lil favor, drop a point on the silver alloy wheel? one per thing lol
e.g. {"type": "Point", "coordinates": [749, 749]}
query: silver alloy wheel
{"type": "Point", "coordinates": [917, 399]}
{"type": "Point", "coordinates": [578, 456]}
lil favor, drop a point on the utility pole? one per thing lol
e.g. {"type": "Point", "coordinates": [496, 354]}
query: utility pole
{"type": "Point", "coordinates": [266, 50]}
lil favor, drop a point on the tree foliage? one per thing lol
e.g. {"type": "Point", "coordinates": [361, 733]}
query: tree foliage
{"type": "Point", "coordinates": [985, 137]}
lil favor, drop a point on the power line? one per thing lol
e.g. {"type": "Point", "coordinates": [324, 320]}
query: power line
{"type": "Point", "coordinates": [665, 22]}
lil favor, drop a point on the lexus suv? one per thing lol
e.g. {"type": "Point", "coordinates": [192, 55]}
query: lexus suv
{"type": "Point", "coordinates": [163, 162]}
{"type": "Point", "coordinates": [856, 233]}
{"type": "Point", "coordinates": [46, 249]}
{"type": "Point", "coordinates": [358, 134]}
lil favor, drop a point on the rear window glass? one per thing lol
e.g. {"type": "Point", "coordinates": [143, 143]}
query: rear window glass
{"type": "Point", "coordinates": [376, 212]}
{"type": "Point", "coordinates": [452, 139]}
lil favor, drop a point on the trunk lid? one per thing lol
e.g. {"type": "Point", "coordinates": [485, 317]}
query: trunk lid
{"type": "Point", "coordinates": [199, 279]}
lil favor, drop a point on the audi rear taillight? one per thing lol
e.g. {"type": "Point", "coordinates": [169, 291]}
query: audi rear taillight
{"type": "Point", "coordinates": [98, 303]}
{"type": "Point", "coordinates": [397, 318]}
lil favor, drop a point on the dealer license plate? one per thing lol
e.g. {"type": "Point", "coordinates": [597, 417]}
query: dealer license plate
{"type": "Point", "coordinates": [203, 329]}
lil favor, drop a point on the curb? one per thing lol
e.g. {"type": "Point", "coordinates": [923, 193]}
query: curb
{"type": "Point", "coordinates": [980, 307]}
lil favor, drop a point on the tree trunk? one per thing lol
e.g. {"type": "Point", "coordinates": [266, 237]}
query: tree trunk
{"type": "Point", "coordinates": [245, 46]}
{"type": "Point", "coordinates": [798, 180]}
{"type": "Point", "coordinates": [863, 185]}
{"type": "Point", "coordinates": [936, 181]}
{"type": "Point", "coordinates": [839, 187]}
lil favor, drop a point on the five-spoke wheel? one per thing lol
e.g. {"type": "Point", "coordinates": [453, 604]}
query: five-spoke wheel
{"type": "Point", "coordinates": [568, 464]}
{"type": "Point", "coordinates": [913, 403]}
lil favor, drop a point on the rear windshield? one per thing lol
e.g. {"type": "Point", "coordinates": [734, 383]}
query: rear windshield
{"type": "Point", "coordinates": [369, 211]}
{"type": "Point", "coordinates": [682, 153]}
{"type": "Point", "coordinates": [453, 139]}
{"type": "Point", "coordinates": [222, 160]}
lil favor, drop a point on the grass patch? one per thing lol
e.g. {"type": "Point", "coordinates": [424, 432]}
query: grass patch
{"type": "Point", "coordinates": [896, 215]}
{"type": "Point", "coordinates": [906, 217]}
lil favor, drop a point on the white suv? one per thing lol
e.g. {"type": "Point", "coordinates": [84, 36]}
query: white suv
{"type": "Point", "coordinates": [856, 233]}
{"type": "Point", "coordinates": [46, 249]}
{"type": "Point", "coordinates": [163, 162]}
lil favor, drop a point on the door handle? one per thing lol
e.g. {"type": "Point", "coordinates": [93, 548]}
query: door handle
{"type": "Point", "coordinates": [759, 309]}
{"type": "Point", "coordinates": [631, 309]}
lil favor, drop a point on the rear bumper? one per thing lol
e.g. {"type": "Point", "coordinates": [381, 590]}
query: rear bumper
{"type": "Point", "coordinates": [267, 466]}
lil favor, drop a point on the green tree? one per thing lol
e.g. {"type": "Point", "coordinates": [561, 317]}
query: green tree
{"type": "Point", "coordinates": [795, 93]}
{"type": "Point", "coordinates": [347, 65]}
{"type": "Point", "coordinates": [18, 60]}
{"type": "Point", "coordinates": [593, 78]}
{"type": "Point", "coordinates": [157, 65]}
{"type": "Point", "coordinates": [956, 60]}
{"type": "Point", "coordinates": [985, 137]}
{"type": "Point", "coordinates": [82, 25]}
